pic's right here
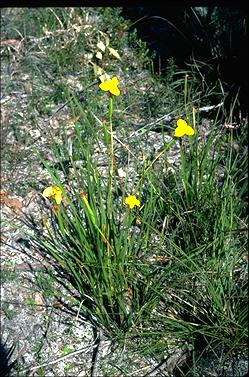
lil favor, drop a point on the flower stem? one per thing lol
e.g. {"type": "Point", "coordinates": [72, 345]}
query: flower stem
{"type": "Point", "coordinates": [111, 135]}
{"type": "Point", "coordinates": [186, 94]}
{"type": "Point", "coordinates": [167, 146]}
{"type": "Point", "coordinates": [111, 152]}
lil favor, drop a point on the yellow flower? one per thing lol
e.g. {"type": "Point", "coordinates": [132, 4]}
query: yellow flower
{"type": "Point", "coordinates": [132, 201]}
{"type": "Point", "coordinates": [183, 129]}
{"type": "Point", "coordinates": [110, 86]}
{"type": "Point", "coordinates": [53, 192]}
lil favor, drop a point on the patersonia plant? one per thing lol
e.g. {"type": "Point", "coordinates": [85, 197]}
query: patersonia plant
{"type": "Point", "coordinates": [100, 240]}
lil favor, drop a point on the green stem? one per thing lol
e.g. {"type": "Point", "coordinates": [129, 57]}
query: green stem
{"type": "Point", "coordinates": [111, 151]}
{"type": "Point", "coordinates": [197, 167]}
{"type": "Point", "coordinates": [186, 94]}
{"type": "Point", "coordinates": [167, 146]}
{"type": "Point", "coordinates": [111, 135]}
{"type": "Point", "coordinates": [106, 136]}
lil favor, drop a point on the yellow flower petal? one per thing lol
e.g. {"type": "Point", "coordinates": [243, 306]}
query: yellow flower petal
{"type": "Point", "coordinates": [104, 86]}
{"type": "Point", "coordinates": [114, 90]}
{"type": "Point", "coordinates": [183, 129]}
{"type": "Point", "coordinates": [57, 197]}
{"type": "Point", "coordinates": [53, 192]}
{"type": "Point", "coordinates": [189, 131]}
{"type": "Point", "coordinates": [179, 132]}
{"type": "Point", "coordinates": [114, 81]}
{"type": "Point", "coordinates": [111, 86]}
{"type": "Point", "coordinates": [132, 201]}
{"type": "Point", "coordinates": [48, 192]}
{"type": "Point", "coordinates": [181, 123]}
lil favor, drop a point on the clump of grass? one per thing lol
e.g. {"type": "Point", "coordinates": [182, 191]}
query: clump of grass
{"type": "Point", "coordinates": [94, 239]}
{"type": "Point", "coordinates": [103, 248]}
